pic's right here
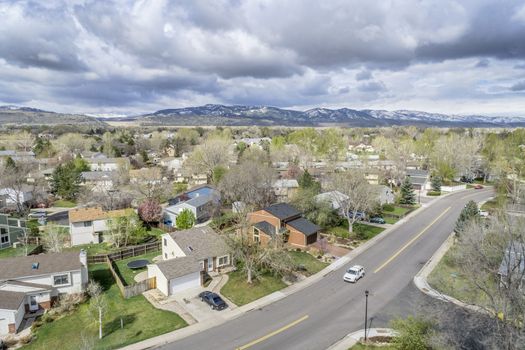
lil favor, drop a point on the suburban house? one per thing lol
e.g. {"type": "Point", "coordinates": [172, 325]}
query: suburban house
{"type": "Point", "coordinates": [201, 201]}
{"type": "Point", "coordinates": [88, 225]}
{"type": "Point", "coordinates": [285, 189]}
{"type": "Point", "coordinates": [17, 156]}
{"type": "Point", "coordinates": [32, 283]}
{"type": "Point", "coordinates": [383, 194]}
{"type": "Point", "coordinates": [10, 230]}
{"type": "Point", "coordinates": [187, 256]}
{"type": "Point", "coordinates": [106, 164]}
{"type": "Point", "coordinates": [171, 163]}
{"type": "Point", "coordinates": [14, 196]}
{"type": "Point", "coordinates": [333, 198]}
{"type": "Point", "coordinates": [420, 179]}
{"type": "Point", "coordinates": [98, 181]}
{"type": "Point", "coordinates": [282, 220]}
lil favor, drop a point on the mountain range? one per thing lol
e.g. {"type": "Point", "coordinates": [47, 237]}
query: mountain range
{"type": "Point", "coordinates": [15, 115]}
{"type": "Point", "coordinates": [239, 115]}
{"type": "Point", "coordinates": [212, 114]}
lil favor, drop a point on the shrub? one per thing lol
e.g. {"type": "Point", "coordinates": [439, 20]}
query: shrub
{"type": "Point", "coordinates": [433, 193]}
{"type": "Point", "coordinates": [389, 207]}
{"type": "Point", "coordinates": [36, 325]}
{"type": "Point", "coordinates": [413, 333]}
{"type": "Point", "coordinates": [10, 341]}
{"type": "Point", "coordinates": [26, 339]}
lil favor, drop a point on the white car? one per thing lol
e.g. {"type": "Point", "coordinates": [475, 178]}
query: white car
{"type": "Point", "coordinates": [354, 273]}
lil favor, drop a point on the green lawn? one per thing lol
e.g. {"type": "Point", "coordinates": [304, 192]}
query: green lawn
{"type": "Point", "coordinates": [141, 321]}
{"type": "Point", "coordinates": [128, 274]}
{"type": "Point", "coordinates": [156, 232]}
{"type": "Point", "coordinates": [240, 292]}
{"type": "Point", "coordinates": [93, 249]}
{"type": "Point", "coordinates": [399, 211]}
{"type": "Point", "coordinates": [361, 231]}
{"type": "Point", "coordinates": [390, 219]}
{"type": "Point", "coordinates": [447, 278]}
{"type": "Point", "coordinates": [62, 203]}
{"type": "Point", "coordinates": [20, 251]}
{"type": "Point", "coordinates": [311, 264]}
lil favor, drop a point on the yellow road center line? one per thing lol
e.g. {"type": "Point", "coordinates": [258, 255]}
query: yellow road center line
{"type": "Point", "coordinates": [411, 241]}
{"type": "Point", "coordinates": [269, 335]}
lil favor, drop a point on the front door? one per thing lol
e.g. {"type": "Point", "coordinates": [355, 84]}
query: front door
{"type": "Point", "coordinates": [33, 305]}
{"type": "Point", "coordinates": [210, 264]}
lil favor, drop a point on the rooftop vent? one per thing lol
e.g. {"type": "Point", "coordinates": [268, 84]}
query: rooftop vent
{"type": "Point", "coordinates": [190, 248]}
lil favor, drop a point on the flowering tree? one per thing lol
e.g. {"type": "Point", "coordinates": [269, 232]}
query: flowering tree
{"type": "Point", "coordinates": [150, 211]}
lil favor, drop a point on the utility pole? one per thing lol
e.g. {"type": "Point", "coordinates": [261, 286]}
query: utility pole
{"type": "Point", "coordinates": [366, 311]}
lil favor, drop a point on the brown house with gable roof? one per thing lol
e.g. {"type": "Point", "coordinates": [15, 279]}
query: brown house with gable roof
{"type": "Point", "coordinates": [282, 220]}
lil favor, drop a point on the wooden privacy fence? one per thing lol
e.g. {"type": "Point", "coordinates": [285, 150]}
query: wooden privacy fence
{"type": "Point", "coordinates": [134, 289]}
{"type": "Point", "coordinates": [126, 252]}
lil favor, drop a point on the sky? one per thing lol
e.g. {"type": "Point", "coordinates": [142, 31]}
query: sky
{"type": "Point", "coordinates": [132, 57]}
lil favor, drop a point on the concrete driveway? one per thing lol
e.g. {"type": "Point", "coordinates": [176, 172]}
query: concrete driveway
{"type": "Point", "coordinates": [199, 310]}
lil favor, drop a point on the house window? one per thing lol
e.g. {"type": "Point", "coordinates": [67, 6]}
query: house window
{"type": "Point", "coordinates": [4, 236]}
{"type": "Point", "coordinates": [202, 265]}
{"type": "Point", "coordinates": [256, 235]}
{"type": "Point", "coordinates": [60, 280]}
{"type": "Point", "coordinates": [88, 223]}
{"type": "Point", "coordinates": [223, 260]}
{"type": "Point", "coordinates": [165, 242]}
{"type": "Point", "coordinates": [165, 256]}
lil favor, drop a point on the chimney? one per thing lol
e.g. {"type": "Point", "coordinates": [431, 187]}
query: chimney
{"type": "Point", "coordinates": [83, 257]}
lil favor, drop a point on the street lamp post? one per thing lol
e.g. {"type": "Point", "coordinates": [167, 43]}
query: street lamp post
{"type": "Point", "coordinates": [366, 311]}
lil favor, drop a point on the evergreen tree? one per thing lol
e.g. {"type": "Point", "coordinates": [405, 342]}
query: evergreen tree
{"type": "Point", "coordinates": [67, 178]}
{"type": "Point", "coordinates": [307, 181]}
{"type": "Point", "coordinates": [185, 220]}
{"type": "Point", "coordinates": [469, 213]}
{"type": "Point", "coordinates": [436, 183]}
{"type": "Point", "coordinates": [10, 163]}
{"type": "Point", "coordinates": [408, 195]}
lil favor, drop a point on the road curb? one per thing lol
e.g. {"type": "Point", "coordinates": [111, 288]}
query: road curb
{"type": "Point", "coordinates": [353, 338]}
{"type": "Point", "coordinates": [279, 295]}
{"type": "Point", "coordinates": [421, 282]}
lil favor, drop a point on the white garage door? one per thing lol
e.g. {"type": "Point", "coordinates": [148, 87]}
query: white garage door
{"type": "Point", "coordinates": [185, 282]}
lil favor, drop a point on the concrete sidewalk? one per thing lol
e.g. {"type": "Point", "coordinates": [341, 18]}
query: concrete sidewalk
{"type": "Point", "coordinates": [354, 338]}
{"type": "Point", "coordinates": [271, 298]}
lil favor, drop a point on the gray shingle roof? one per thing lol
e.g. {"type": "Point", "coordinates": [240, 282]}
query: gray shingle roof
{"type": "Point", "coordinates": [179, 267]}
{"type": "Point", "coordinates": [304, 226]}
{"type": "Point", "coordinates": [204, 242]}
{"type": "Point", "coordinates": [11, 300]}
{"type": "Point", "coordinates": [21, 266]}
{"type": "Point", "coordinates": [266, 227]}
{"type": "Point", "coordinates": [282, 211]}
{"type": "Point", "coordinates": [199, 201]}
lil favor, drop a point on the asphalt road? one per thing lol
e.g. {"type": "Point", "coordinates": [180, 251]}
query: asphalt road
{"type": "Point", "coordinates": [323, 313]}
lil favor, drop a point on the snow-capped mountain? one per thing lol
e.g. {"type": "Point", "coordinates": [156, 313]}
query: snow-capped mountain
{"type": "Point", "coordinates": [213, 114]}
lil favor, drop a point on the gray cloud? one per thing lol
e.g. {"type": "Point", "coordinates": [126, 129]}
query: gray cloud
{"type": "Point", "coordinates": [519, 86]}
{"type": "Point", "coordinates": [130, 54]}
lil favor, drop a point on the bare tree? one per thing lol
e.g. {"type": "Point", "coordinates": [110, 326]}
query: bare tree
{"type": "Point", "coordinates": [97, 304]}
{"type": "Point", "coordinates": [214, 152]}
{"type": "Point", "coordinates": [490, 259]}
{"type": "Point", "coordinates": [353, 196]}
{"type": "Point", "coordinates": [13, 179]}
{"type": "Point", "coordinates": [54, 237]}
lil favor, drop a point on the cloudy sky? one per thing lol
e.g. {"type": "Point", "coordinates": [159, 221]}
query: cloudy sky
{"type": "Point", "coordinates": [127, 57]}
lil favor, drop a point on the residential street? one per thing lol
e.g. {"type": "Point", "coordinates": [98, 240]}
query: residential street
{"type": "Point", "coordinates": [323, 313]}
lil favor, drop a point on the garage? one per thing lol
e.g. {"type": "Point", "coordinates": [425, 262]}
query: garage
{"type": "Point", "coordinates": [189, 281]}
{"type": "Point", "coordinates": [176, 275]}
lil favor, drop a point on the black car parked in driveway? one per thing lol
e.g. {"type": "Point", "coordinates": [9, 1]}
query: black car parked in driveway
{"type": "Point", "coordinates": [213, 299]}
